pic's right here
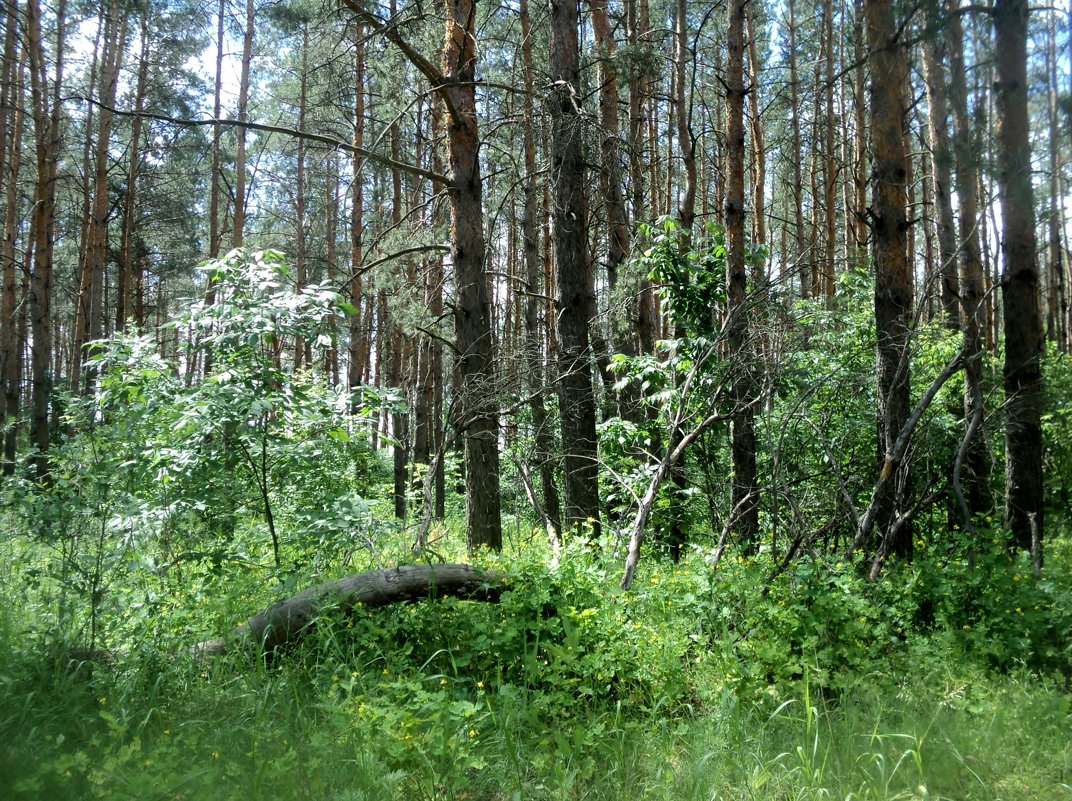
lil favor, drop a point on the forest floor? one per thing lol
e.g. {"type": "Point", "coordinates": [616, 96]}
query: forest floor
{"type": "Point", "coordinates": [662, 693]}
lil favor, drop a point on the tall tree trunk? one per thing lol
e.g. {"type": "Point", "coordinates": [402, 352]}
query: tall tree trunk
{"type": "Point", "coordinates": [396, 348]}
{"type": "Point", "coordinates": [331, 264]}
{"type": "Point", "coordinates": [10, 342]}
{"type": "Point", "coordinates": [576, 291]}
{"type": "Point", "coordinates": [686, 217]}
{"type": "Point", "coordinates": [928, 216]}
{"type": "Point", "coordinates": [358, 342]}
{"type": "Point", "coordinates": [302, 349]}
{"type": "Point", "coordinates": [796, 158]}
{"type": "Point", "coordinates": [479, 410]}
{"type": "Point", "coordinates": [47, 119]}
{"type": "Point", "coordinates": [934, 58]}
{"type": "Point", "coordinates": [858, 215]}
{"type": "Point", "coordinates": [971, 279]}
{"type": "Point", "coordinates": [1020, 282]}
{"type": "Point", "coordinates": [435, 307]}
{"type": "Point", "coordinates": [745, 496]}
{"type": "Point", "coordinates": [639, 101]}
{"type": "Point", "coordinates": [759, 148]}
{"type": "Point", "coordinates": [893, 279]}
{"type": "Point", "coordinates": [239, 213]}
{"type": "Point", "coordinates": [214, 234]}
{"type": "Point", "coordinates": [89, 304]}
{"type": "Point", "coordinates": [614, 204]}
{"type": "Point", "coordinates": [1057, 307]}
{"type": "Point", "coordinates": [534, 282]}
{"type": "Point", "coordinates": [686, 212]}
{"type": "Point", "coordinates": [127, 251]}
{"type": "Point", "coordinates": [829, 156]}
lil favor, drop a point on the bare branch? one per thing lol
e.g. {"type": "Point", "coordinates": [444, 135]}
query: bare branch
{"type": "Point", "coordinates": [324, 139]}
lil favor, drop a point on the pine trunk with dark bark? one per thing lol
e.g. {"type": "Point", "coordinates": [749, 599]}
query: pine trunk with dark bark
{"type": "Point", "coordinates": [11, 144]}
{"type": "Point", "coordinates": [534, 283]}
{"type": "Point", "coordinates": [745, 496]}
{"type": "Point", "coordinates": [356, 368]}
{"type": "Point", "coordinates": [971, 276]}
{"type": "Point", "coordinates": [576, 291]}
{"type": "Point", "coordinates": [1020, 282]}
{"type": "Point", "coordinates": [47, 115]}
{"type": "Point", "coordinates": [125, 286]}
{"type": "Point", "coordinates": [893, 278]}
{"type": "Point", "coordinates": [478, 412]}
{"type": "Point", "coordinates": [934, 76]}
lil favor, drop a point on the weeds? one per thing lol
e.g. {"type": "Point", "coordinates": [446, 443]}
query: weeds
{"type": "Point", "coordinates": [565, 690]}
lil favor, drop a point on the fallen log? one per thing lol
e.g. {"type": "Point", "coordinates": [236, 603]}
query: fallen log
{"type": "Point", "coordinates": [287, 620]}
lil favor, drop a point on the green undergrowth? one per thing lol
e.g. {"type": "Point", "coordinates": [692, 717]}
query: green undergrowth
{"type": "Point", "coordinates": [702, 682]}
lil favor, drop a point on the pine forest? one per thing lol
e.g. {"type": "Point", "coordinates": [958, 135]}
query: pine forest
{"type": "Point", "coordinates": [591, 399]}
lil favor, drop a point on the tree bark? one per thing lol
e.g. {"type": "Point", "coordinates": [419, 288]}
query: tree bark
{"type": "Point", "coordinates": [286, 621]}
{"type": "Point", "coordinates": [826, 278]}
{"type": "Point", "coordinates": [893, 279]}
{"type": "Point", "coordinates": [971, 277]}
{"type": "Point", "coordinates": [858, 215]}
{"type": "Point", "coordinates": [302, 349]}
{"type": "Point", "coordinates": [88, 307]}
{"type": "Point", "coordinates": [357, 345]}
{"type": "Point", "coordinates": [472, 317]}
{"type": "Point", "coordinates": [576, 291]}
{"type": "Point", "coordinates": [1020, 282]}
{"type": "Point", "coordinates": [239, 214]}
{"type": "Point", "coordinates": [796, 158]}
{"type": "Point", "coordinates": [534, 282]}
{"type": "Point", "coordinates": [1057, 306]}
{"type": "Point", "coordinates": [47, 120]}
{"type": "Point", "coordinates": [759, 148]}
{"type": "Point", "coordinates": [745, 496]}
{"type": "Point", "coordinates": [124, 289]}
{"type": "Point", "coordinates": [934, 76]}
{"type": "Point", "coordinates": [10, 342]}
{"type": "Point", "coordinates": [214, 234]}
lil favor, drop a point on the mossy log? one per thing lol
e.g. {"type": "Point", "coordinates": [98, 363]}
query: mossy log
{"type": "Point", "coordinates": [287, 620]}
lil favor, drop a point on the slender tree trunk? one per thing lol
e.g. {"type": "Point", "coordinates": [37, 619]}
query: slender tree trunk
{"type": "Point", "coordinates": [534, 282]}
{"type": "Point", "coordinates": [92, 88]}
{"type": "Point", "coordinates": [858, 214]}
{"type": "Point", "coordinates": [971, 278]}
{"type": "Point", "coordinates": [214, 234]}
{"type": "Point", "coordinates": [47, 119]}
{"type": "Point", "coordinates": [576, 292]}
{"type": "Point", "coordinates": [331, 263]}
{"type": "Point", "coordinates": [89, 304]}
{"type": "Point", "coordinates": [928, 216]}
{"type": "Point", "coordinates": [796, 157]}
{"type": "Point", "coordinates": [239, 215]}
{"type": "Point", "coordinates": [829, 157]}
{"type": "Point", "coordinates": [934, 59]}
{"type": "Point", "coordinates": [759, 148]}
{"type": "Point", "coordinates": [357, 345]}
{"type": "Point", "coordinates": [127, 250]}
{"type": "Point", "coordinates": [745, 496]}
{"type": "Point", "coordinates": [686, 212]}
{"type": "Point", "coordinates": [396, 349]}
{"type": "Point", "coordinates": [476, 363]}
{"type": "Point", "coordinates": [10, 342]}
{"type": "Point", "coordinates": [893, 279]}
{"type": "Point", "coordinates": [1020, 282]}
{"type": "Point", "coordinates": [1057, 308]}
{"type": "Point", "coordinates": [614, 204]}
{"type": "Point", "coordinates": [302, 350]}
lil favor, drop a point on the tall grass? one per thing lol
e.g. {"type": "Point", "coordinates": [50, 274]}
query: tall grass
{"type": "Point", "coordinates": [377, 710]}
